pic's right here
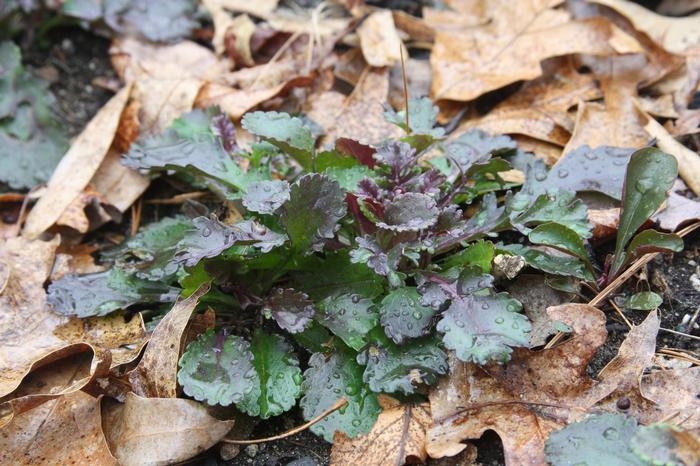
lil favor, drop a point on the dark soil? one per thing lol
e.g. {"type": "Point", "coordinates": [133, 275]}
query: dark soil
{"type": "Point", "coordinates": [78, 58]}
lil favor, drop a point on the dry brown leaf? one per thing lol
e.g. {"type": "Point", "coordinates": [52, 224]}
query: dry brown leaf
{"type": "Point", "coordinates": [467, 64]}
{"type": "Point", "coordinates": [259, 8]}
{"type": "Point", "coordinates": [539, 108]}
{"type": "Point", "coordinates": [118, 185]}
{"type": "Point", "coordinates": [88, 211]}
{"type": "Point", "coordinates": [350, 66]}
{"type": "Point", "coordinates": [77, 167]}
{"type": "Point", "coordinates": [661, 106]}
{"type": "Point", "coordinates": [222, 21]}
{"type": "Point", "coordinates": [418, 77]}
{"type": "Point", "coordinates": [361, 115]}
{"type": "Point", "coordinates": [598, 125]}
{"type": "Point", "coordinates": [156, 374]}
{"type": "Point", "coordinates": [237, 40]}
{"type": "Point", "coordinates": [678, 211]}
{"type": "Point", "coordinates": [673, 393]}
{"type": "Point", "coordinates": [398, 437]}
{"type": "Point", "coordinates": [67, 430]}
{"type": "Point", "coordinates": [688, 161]}
{"type": "Point", "coordinates": [678, 8]}
{"type": "Point", "coordinates": [463, 13]}
{"type": "Point", "coordinates": [159, 431]}
{"type": "Point", "coordinates": [453, 420]}
{"type": "Point", "coordinates": [379, 40]}
{"type": "Point", "coordinates": [417, 29]}
{"type": "Point", "coordinates": [675, 34]}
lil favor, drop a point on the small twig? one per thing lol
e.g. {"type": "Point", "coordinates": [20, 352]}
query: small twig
{"type": "Point", "coordinates": [619, 311]}
{"type": "Point", "coordinates": [136, 217]}
{"type": "Point", "coordinates": [338, 404]}
{"type": "Point", "coordinates": [687, 335]}
{"type": "Point", "coordinates": [178, 199]}
{"type": "Point", "coordinates": [692, 320]}
{"type": "Point", "coordinates": [679, 354]}
{"type": "Point", "coordinates": [405, 88]}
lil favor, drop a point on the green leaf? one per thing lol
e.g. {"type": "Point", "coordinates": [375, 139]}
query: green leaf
{"type": "Point", "coordinates": [644, 301]}
{"type": "Point", "coordinates": [336, 275]}
{"type": "Point", "coordinates": [549, 263]}
{"type": "Point", "coordinates": [313, 211]}
{"type": "Point", "coordinates": [153, 20]}
{"type": "Point", "coordinates": [481, 328]}
{"type": "Point", "coordinates": [32, 140]}
{"type": "Point", "coordinates": [265, 197]}
{"type": "Point", "coordinates": [562, 238]}
{"type": "Point", "coordinates": [349, 316]}
{"type": "Point", "coordinates": [601, 170]}
{"type": "Point", "coordinates": [286, 132]}
{"type": "Point", "coordinates": [279, 377]}
{"type": "Point", "coordinates": [99, 294]}
{"type": "Point", "coordinates": [149, 254]}
{"type": "Point", "coordinates": [315, 339]}
{"type": "Point", "coordinates": [653, 241]}
{"type": "Point", "coordinates": [191, 146]}
{"type": "Point", "coordinates": [422, 117]}
{"type": "Point", "coordinates": [601, 439]}
{"type": "Point", "coordinates": [555, 206]}
{"type": "Point", "coordinates": [348, 178]}
{"type": "Point", "coordinates": [219, 370]}
{"type": "Point", "coordinates": [403, 316]}
{"type": "Point", "coordinates": [391, 368]}
{"type": "Point", "coordinates": [650, 175]}
{"type": "Point", "coordinates": [480, 253]}
{"type": "Point", "coordinates": [657, 445]}
{"type": "Point", "coordinates": [329, 378]}
{"type": "Point", "coordinates": [410, 212]}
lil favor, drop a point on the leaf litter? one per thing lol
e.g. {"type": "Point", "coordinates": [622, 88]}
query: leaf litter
{"type": "Point", "coordinates": [410, 270]}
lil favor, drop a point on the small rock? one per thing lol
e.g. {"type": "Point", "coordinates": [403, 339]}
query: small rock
{"type": "Point", "coordinates": [251, 450]}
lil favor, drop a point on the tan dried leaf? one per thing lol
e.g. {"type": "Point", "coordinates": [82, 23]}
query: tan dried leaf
{"type": "Point", "coordinates": [77, 167]}
{"type": "Point", "coordinates": [67, 430]}
{"type": "Point", "coordinates": [469, 63]}
{"type": "Point", "coordinates": [540, 108]}
{"type": "Point", "coordinates": [398, 437]}
{"type": "Point", "coordinates": [379, 40]}
{"type": "Point", "coordinates": [119, 186]}
{"type": "Point", "coordinates": [605, 222]}
{"type": "Point", "coordinates": [159, 431]}
{"type": "Point", "coordinates": [156, 374]}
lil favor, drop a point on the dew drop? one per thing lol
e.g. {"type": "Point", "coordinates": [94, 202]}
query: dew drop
{"type": "Point", "coordinates": [351, 390]}
{"type": "Point", "coordinates": [356, 422]}
{"type": "Point", "coordinates": [499, 320]}
{"type": "Point", "coordinates": [417, 315]}
{"type": "Point", "coordinates": [611, 433]}
{"type": "Point", "coordinates": [562, 173]}
{"type": "Point", "coordinates": [540, 176]}
{"type": "Point", "coordinates": [355, 298]}
{"type": "Point", "coordinates": [206, 232]}
{"type": "Point", "coordinates": [644, 185]}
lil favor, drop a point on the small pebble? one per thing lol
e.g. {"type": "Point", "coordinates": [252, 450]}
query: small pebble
{"type": "Point", "coordinates": [251, 450]}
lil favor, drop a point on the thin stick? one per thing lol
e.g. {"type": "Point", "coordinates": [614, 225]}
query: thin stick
{"type": "Point", "coordinates": [136, 217]}
{"type": "Point", "coordinates": [405, 88]}
{"type": "Point", "coordinates": [178, 198]}
{"type": "Point", "coordinates": [612, 303]}
{"type": "Point", "coordinates": [687, 335]}
{"type": "Point", "coordinates": [338, 404]}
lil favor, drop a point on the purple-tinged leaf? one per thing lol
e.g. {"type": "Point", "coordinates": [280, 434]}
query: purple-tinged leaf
{"type": "Point", "coordinates": [398, 157]}
{"type": "Point", "coordinates": [257, 235]}
{"type": "Point", "coordinates": [292, 310]}
{"type": "Point", "coordinates": [208, 238]}
{"type": "Point", "coordinates": [476, 146]}
{"type": "Point", "coordinates": [315, 207]}
{"type": "Point", "coordinates": [410, 212]}
{"type": "Point", "coordinates": [361, 152]}
{"type": "Point", "coordinates": [222, 127]}
{"type": "Point", "coordinates": [404, 316]}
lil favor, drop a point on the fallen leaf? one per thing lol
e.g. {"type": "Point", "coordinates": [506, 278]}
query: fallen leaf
{"type": "Point", "coordinates": [222, 21]}
{"type": "Point", "coordinates": [688, 161]}
{"type": "Point", "coordinates": [156, 374]}
{"type": "Point", "coordinates": [361, 115]}
{"type": "Point", "coordinates": [159, 431]}
{"type": "Point", "coordinates": [454, 420]}
{"type": "Point", "coordinates": [416, 28]}
{"type": "Point", "coordinates": [467, 64]}
{"type": "Point", "coordinates": [675, 34]}
{"type": "Point", "coordinates": [379, 40]}
{"type": "Point", "coordinates": [605, 222]}
{"type": "Point", "coordinates": [88, 211]}
{"type": "Point", "coordinates": [78, 166]}
{"type": "Point", "coordinates": [545, 150]}
{"type": "Point", "coordinates": [67, 430]}
{"type": "Point", "coordinates": [398, 437]}
{"type": "Point", "coordinates": [678, 211]}
{"type": "Point", "coordinates": [676, 8]}
{"type": "Point", "coordinates": [118, 185]}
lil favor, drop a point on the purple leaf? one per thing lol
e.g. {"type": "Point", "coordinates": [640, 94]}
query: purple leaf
{"type": "Point", "coordinates": [410, 212]}
{"type": "Point", "coordinates": [292, 310]}
{"type": "Point", "coordinates": [222, 127]}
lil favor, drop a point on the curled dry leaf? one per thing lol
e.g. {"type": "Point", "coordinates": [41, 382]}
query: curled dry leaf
{"type": "Point", "coordinates": [675, 34]}
{"type": "Point", "coordinates": [398, 437]}
{"type": "Point", "coordinates": [78, 166]}
{"type": "Point", "coordinates": [678, 211]}
{"type": "Point", "coordinates": [156, 374]}
{"type": "Point", "coordinates": [67, 430]}
{"type": "Point", "coordinates": [379, 39]}
{"type": "Point", "coordinates": [159, 431]}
